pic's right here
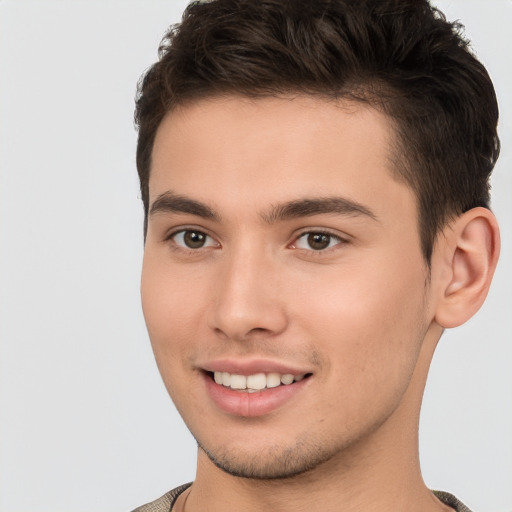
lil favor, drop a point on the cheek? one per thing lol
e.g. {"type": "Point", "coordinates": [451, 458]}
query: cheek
{"type": "Point", "coordinates": [372, 341]}
{"type": "Point", "coordinates": [369, 320]}
{"type": "Point", "coordinates": [171, 311]}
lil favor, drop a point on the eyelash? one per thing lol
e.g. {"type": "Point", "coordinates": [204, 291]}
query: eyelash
{"type": "Point", "coordinates": [182, 247]}
{"type": "Point", "coordinates": [322, 232]}
{"type": "Point", "coordinates": [209, 239]}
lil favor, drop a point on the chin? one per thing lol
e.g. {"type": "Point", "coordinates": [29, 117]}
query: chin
{"type": "Point", "coordinates": [273, 463]}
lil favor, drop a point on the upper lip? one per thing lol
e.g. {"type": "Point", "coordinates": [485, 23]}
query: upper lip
{"type": "Point", "coordinates": [252, 366]}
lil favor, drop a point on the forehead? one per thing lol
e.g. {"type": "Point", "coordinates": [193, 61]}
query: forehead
{"type": "Point", "coordinates": [275, 149]}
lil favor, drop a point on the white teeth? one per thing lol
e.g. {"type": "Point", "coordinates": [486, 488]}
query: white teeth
{"type": "Point", "coordinates": [273, 380]}
{"type": "Point", "coordinates": [287, 378]}
{"type": "Point", "coordinates": [256, 382]}
{"type": "Point", "coordinates": [238, 382]}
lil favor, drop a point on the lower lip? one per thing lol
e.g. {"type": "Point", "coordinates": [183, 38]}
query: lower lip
{"type": "Point", "coordinates": [242, 403]}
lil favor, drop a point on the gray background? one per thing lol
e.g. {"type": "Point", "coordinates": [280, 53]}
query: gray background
{"type": "Point", "coordinates": [85, 423]}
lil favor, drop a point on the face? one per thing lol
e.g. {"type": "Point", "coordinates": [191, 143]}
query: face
{"type": "Point", "coordinates": [283, 284]}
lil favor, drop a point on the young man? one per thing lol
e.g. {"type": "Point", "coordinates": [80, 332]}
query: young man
{"type": "Point", "coordinates": [315, 182]}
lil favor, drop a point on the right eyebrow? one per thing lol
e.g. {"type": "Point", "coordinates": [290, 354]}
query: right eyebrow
{"type": "Point", "coordinates": [308, 207]}
{"type": "Point", "coordinates": [169, 202]}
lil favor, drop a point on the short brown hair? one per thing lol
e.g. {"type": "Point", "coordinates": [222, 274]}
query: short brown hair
{"type": "Point", "coordinates": [400, 56]}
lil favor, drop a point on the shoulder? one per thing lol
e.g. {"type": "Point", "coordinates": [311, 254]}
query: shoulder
{"type": "Point", "coordinates": [164, 503]}
{"type": "Point", "coordinates": [451, 501]}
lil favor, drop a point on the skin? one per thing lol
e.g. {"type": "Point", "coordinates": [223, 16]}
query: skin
{"type": "Point", "coordinates": [362, 316]}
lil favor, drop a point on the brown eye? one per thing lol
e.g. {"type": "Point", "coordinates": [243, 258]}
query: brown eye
{"type": "Point", "coordinates": [318, 241]}
{"type": "Point", "coordinates": [192, 239]}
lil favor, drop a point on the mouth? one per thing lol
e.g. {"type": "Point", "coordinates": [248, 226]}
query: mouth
{"type": "Point", "coordinates": [253, 387]}
{"type": "Point", "coordinates": [256, 382]}
{"type": "Point", "coordinates": [256, 394]}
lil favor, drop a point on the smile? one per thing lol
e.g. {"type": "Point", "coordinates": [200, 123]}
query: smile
{"type": "Point", "coordinates": [256, 382]}
{"type": "Point", "coordinates": [256, 394]}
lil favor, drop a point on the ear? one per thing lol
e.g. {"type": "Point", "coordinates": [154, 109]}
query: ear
{"type": "Point", "coordinates": [466, 255]}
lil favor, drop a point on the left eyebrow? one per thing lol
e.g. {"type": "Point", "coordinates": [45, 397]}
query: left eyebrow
{"type": "Point", "coordinates": [316, 206]}
{"type": "Point", "coordinates": [173, 203]}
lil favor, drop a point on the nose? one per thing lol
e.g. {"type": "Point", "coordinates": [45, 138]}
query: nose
{"type": "Point", "coordinates": [248, 301]}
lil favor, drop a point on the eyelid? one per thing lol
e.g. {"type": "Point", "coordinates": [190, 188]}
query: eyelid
{"type": "Point", "coordinates": [171, 234]}
{"type": "Point", "coordinates": [342, 239]}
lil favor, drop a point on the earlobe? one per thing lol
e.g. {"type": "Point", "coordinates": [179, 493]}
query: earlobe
{"type": "Point", "coordinates": [470, 247]}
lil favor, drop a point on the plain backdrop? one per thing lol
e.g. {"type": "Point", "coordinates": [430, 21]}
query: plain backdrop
{"type": "Point", "coordinates": [85, 423]}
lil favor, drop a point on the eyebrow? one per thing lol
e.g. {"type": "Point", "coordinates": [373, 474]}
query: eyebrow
{"type": "Point", "coordinates": [317, 206]}
{"type": "Point", "coordinates": [172, 203]}
{"type": "Point", "coordinates": [307, 207]}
